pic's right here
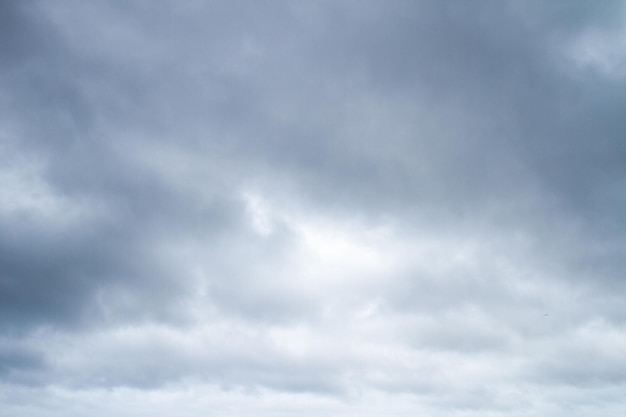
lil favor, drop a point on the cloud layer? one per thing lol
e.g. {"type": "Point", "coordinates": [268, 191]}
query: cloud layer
{"type": "Point", "coordinates": [338, 208]}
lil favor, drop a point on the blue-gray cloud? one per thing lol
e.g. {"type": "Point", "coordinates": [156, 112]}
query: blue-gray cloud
{"type": "Point", "coordinates": [316, 202]}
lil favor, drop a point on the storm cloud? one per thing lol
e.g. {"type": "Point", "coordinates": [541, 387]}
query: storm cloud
{"type": "Point", "coordinates": [314, 208]}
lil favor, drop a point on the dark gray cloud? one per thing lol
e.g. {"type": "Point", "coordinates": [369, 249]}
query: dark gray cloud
{"type": "Point", "coordinates": [345, 207]}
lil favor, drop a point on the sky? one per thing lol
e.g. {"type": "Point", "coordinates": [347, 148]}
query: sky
{"type": "Point", "coordinates": [316, 208]}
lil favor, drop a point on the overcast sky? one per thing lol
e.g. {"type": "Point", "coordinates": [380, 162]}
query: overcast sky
{"type": "Point", "coordinates": [312, 208]}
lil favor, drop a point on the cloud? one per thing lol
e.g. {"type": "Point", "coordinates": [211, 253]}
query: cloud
{"type": "Point", "coordinates": [343, 207]}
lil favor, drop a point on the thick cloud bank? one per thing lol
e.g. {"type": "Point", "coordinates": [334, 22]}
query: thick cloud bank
{"type": "Point", "coordinates": [372, 208]}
